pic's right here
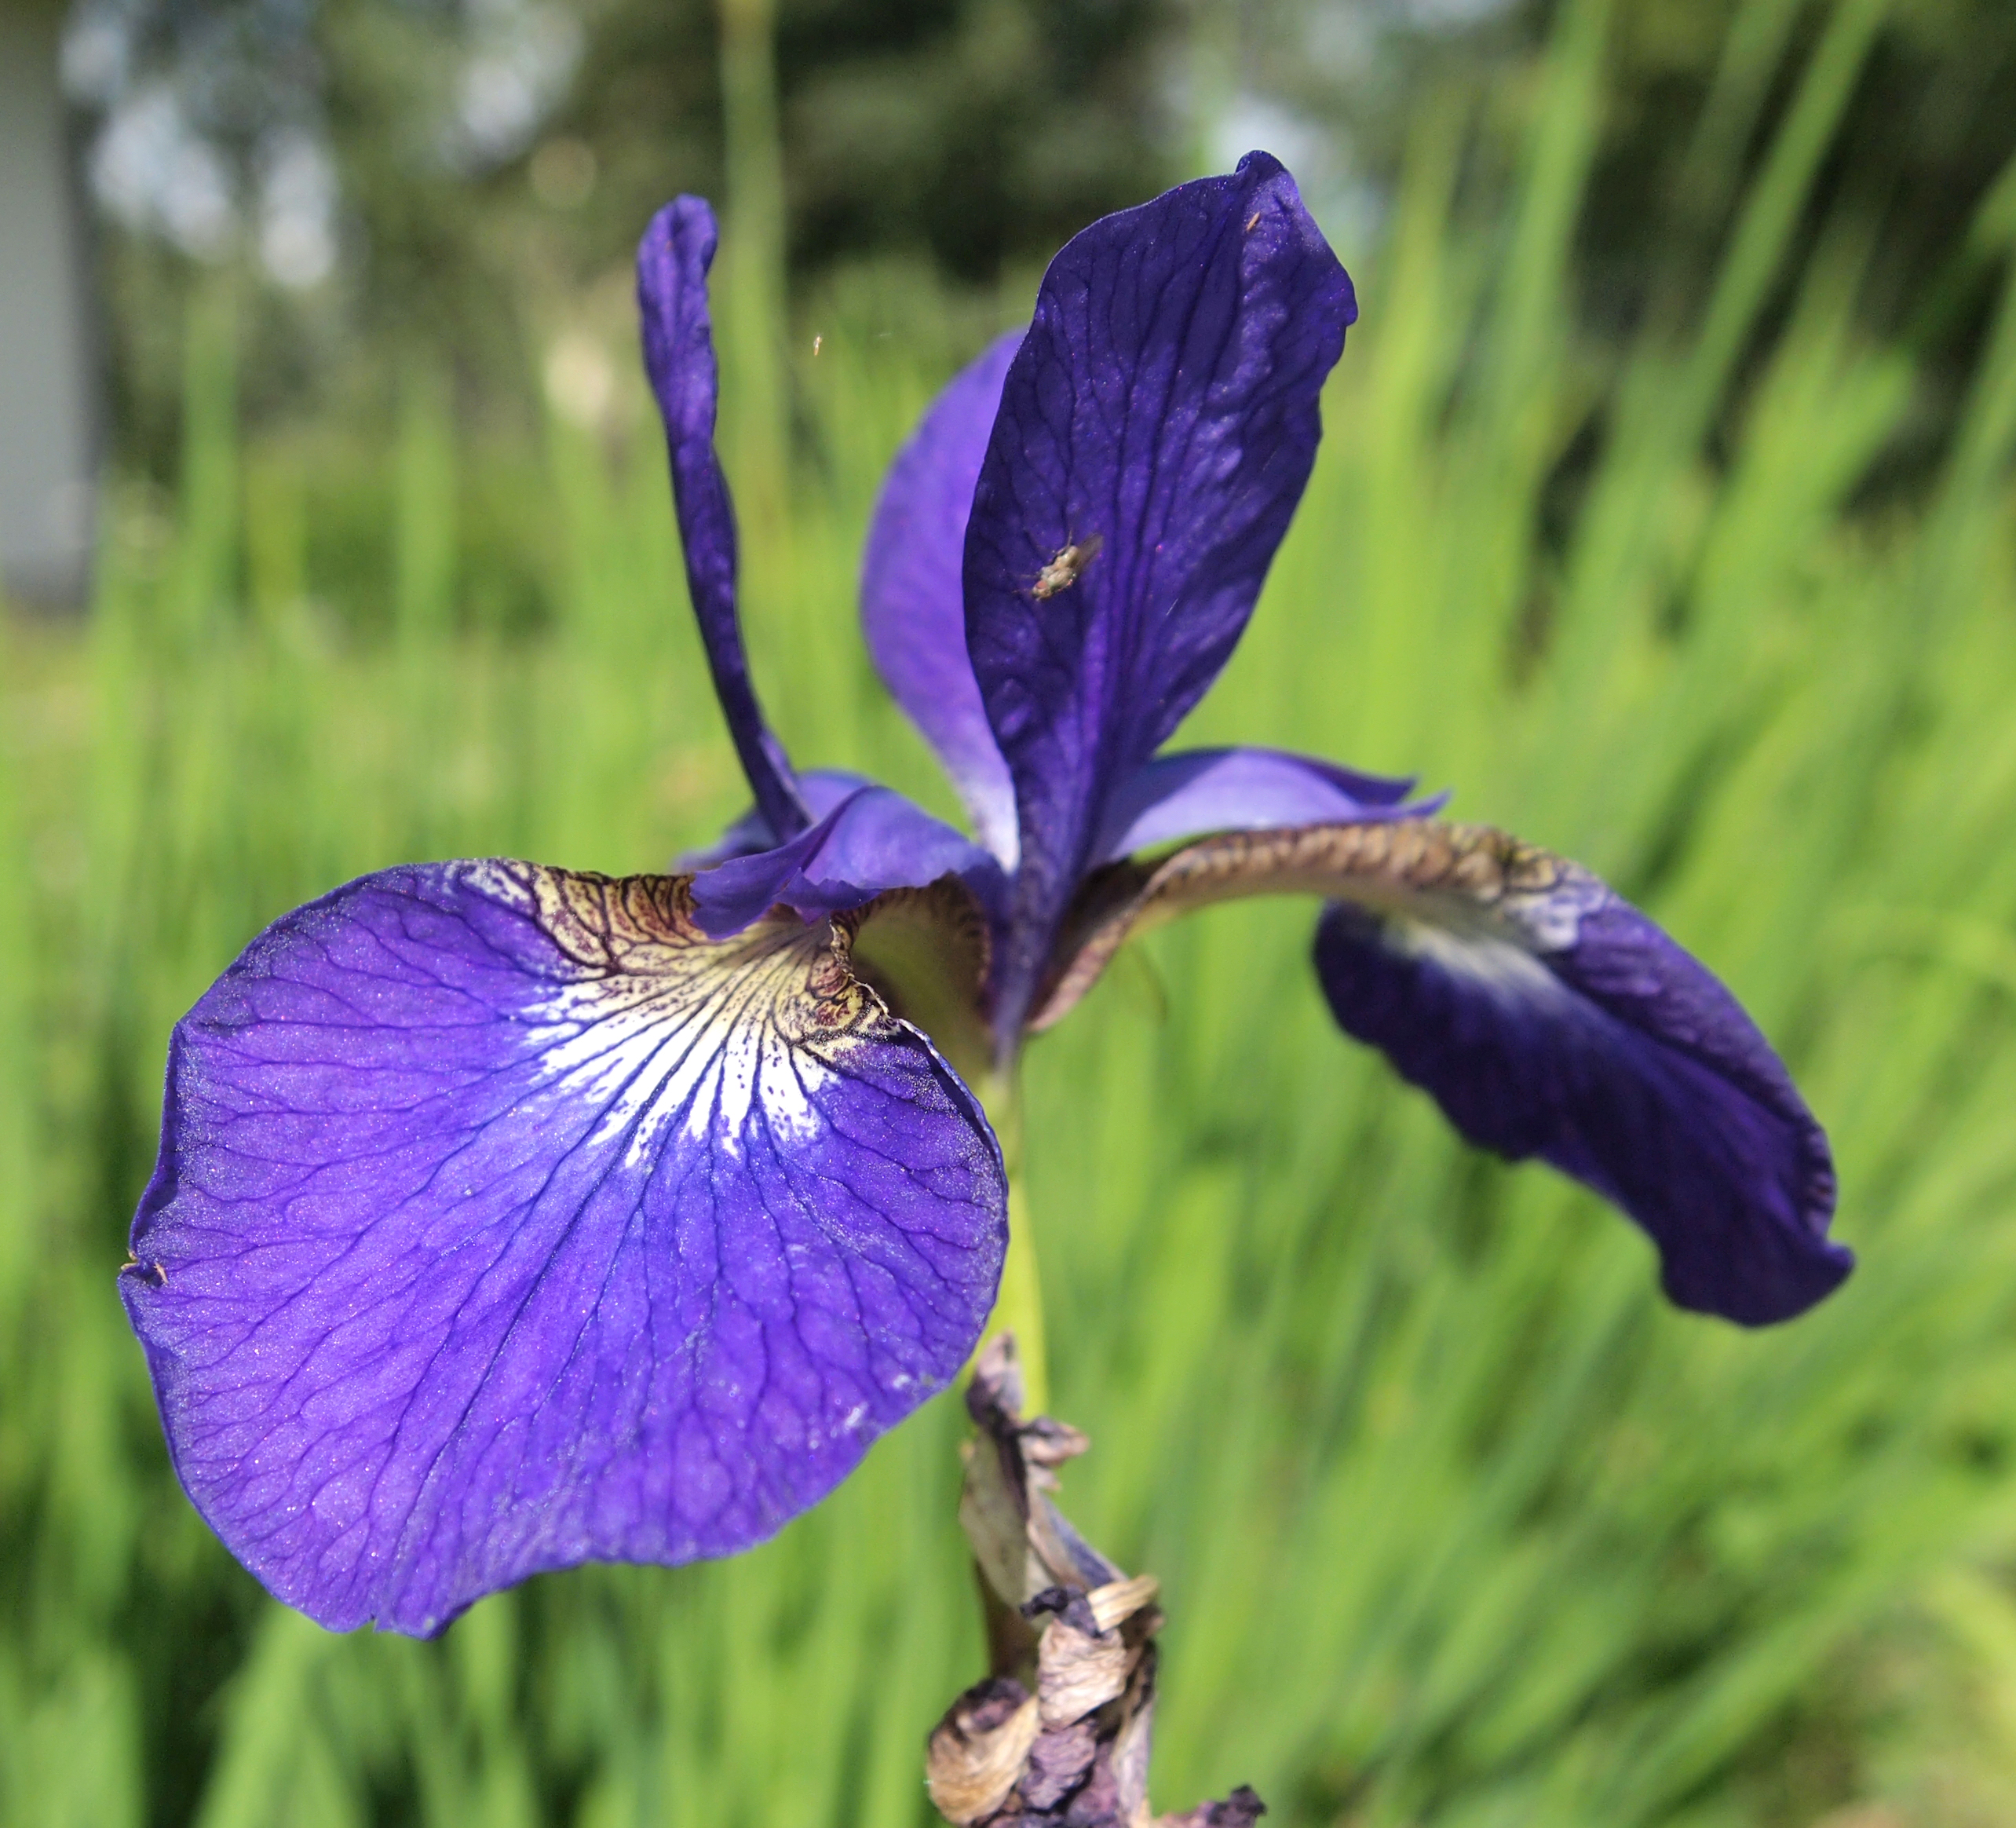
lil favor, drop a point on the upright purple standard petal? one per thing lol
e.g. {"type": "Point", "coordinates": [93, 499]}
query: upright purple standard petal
{"type": "Point", "coordinates": [672, 263]}
{"type": "Point", "coordinates": [1163, 406]}
{"type": "Point", "coordinates": [503, 1223]}
{"type": "Point", "coordinates": [913, 607]}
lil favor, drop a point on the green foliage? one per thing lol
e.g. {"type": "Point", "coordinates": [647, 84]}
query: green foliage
{"type": "Point", "coordinates": [972, 134]}
{"type": "Point", "coordinates": [1458, 1524]}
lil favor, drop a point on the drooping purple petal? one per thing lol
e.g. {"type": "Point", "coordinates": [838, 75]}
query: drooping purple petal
{"type": "Point", "coordinates": [1566, 1025]}
{"type": "Point", "coordinates": [913, 607]}
{"type": "Point", "coordinates": [1547, 1016]}
{"type": "Point", "coordinates": [672, 263]}
{"type": "Point", "coordinates": [873, 840]}
{"type": "Point", "coordinates": [1197, 791]}
{"type": "Point", "coordinates": [1164, 405]}
{"type": "Point", "coordinates": [822, 789]}
{"type": "Point", "coordinates": [503, 1223]}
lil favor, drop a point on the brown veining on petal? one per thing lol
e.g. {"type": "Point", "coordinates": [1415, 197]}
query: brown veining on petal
{"type": "Point", "coordinates": [636, 939]}
{"type": "Point", "coordinates": [604, 922]}
{"type": "Point", "coordinates": [918, 956]}
{"type": "Point", "coordinates": [1401, 865]}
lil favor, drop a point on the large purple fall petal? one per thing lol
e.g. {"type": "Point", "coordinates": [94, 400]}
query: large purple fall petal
{"type": "Point", "coordinates": [1547, 1016]}
{"type": "Point", "coordinates": [873, 840]}
{"type": "Point", "coordinates": [503, 1223]}
{"type": "Point", "coordinates": [1163, 404]}
{"type": "Point", "coordinates": [672, 263]}
{"type": "Point", "coordinates": [1565, 1025]}
{"type": "Point", "coordinates": [1196, 791]}
{"type": "Point", "coordinates": [913, 610]}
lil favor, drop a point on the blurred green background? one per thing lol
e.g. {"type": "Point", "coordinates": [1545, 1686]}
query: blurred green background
{"type": "Point", "coordinates": [1665, 511]}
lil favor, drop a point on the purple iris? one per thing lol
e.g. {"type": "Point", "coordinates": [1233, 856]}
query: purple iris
{"type": "Point", "coordinates": [507, 1218]}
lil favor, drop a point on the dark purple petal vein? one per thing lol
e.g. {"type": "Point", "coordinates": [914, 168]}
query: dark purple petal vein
{"type": "Point", "coordinates": [503, 1223]}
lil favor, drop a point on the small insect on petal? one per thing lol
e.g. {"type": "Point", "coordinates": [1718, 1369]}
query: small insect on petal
{"type": "Point", "coordinates": [1066, 568]}
{"type": "Point", "coordinates": [1252, 221]}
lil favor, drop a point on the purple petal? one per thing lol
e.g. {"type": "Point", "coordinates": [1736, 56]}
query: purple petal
{"type": "Point", "coordinates": [672, 263]}
{"type": "Point", "coordinates": [1164, 404]}
{"type": "Point", "coordinates": [1186, 794]}
{"type": "Point", "coordinates": [1547, 1016]}
{"type": "Point", "coordinates": [1566, 1025]}
{"type": "Point", "coordinates": [503, 1223]}
{"type": "Point", "coordinates": [913, 607]}
{"type": "Point", "coordinates": [822, 789]}
{"type": "Point", "coordinates": [872, 841]}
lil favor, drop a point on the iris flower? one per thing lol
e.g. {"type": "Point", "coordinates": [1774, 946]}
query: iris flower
{"type": "Point", "coordinates": [508, 1217]}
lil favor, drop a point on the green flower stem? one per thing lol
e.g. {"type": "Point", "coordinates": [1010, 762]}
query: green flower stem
{"type": "Point", "coordinates": [1019, 1307]}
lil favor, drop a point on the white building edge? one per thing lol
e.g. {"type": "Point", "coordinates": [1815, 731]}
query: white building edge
{"type": "Point", "coordinates": [48, 440]}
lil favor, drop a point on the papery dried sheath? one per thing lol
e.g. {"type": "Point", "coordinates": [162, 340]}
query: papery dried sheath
{"type": "Point", "coordinates": [1059, 1732]}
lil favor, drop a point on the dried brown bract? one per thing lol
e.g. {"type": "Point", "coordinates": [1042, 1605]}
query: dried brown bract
{"type": "Point", "coordinates": [1059, 1732]}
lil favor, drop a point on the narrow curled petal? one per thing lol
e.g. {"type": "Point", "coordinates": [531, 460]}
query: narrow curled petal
{"type": "Point", "coordinates": [1197, 791]}
{"type": "Point", "coordinates": [503, 1223]}
{"type": "Point", "coordinates": [1548, 1018]}
{"type": "Point", "coordinates": [672, 263]}
{"type": "Point", "coordinates": [873, 840]}
{"type": "Point", "coordinates": [913, 609]}
{"type": "Point", "coordinates": [1159, 421]}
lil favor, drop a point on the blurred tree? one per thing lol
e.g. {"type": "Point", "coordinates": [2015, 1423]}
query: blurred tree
{"type": "Point", "coordinates": [1696, 89]}
{"type": "Point", "coordinates": [451, 175]}
{"type": "Point", "coordinates": [977, 130]}
{"type": "Point", "coordinates": [410, 169]}
{"type": "Point", "coordinates": [1931, 124]}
